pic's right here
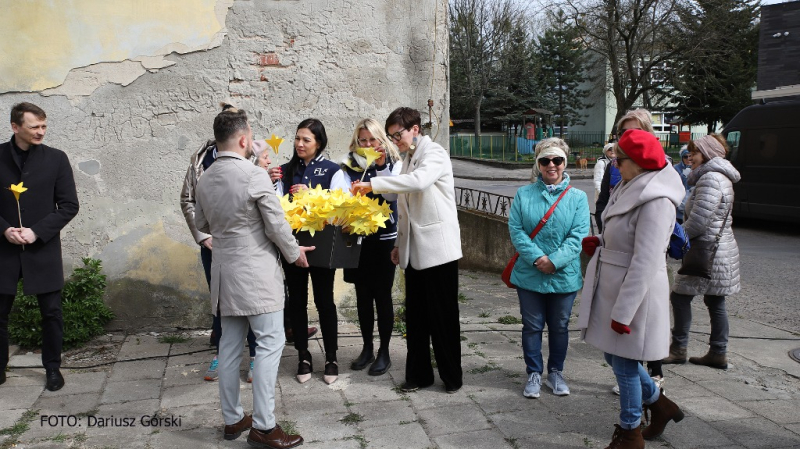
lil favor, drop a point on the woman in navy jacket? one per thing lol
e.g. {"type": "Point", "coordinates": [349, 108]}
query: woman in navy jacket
{"type": "Point", "coordinates": [308, 169]}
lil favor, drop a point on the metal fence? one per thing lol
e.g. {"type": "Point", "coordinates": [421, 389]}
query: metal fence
{"type": "Point", "coordinates": [587, 145]}
{"type": "Point", "coordinates": [478, 200]}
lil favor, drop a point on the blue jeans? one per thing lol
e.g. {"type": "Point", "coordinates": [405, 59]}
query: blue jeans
{"type": "Point", "coordinates": [634, 384]}
{"type": "Point", "coordinates": [538, 309]}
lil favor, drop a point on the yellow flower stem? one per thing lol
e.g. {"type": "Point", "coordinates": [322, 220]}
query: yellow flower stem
{"type": "Point", "coordinates": [20, 221]}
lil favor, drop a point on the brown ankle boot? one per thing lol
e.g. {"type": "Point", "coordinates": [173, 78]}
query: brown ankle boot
{"type": "Point", "coordinates": [712, 359]}
{"type": "Point", "coordinates": [677, 354]}
{"type": "Point", "coordinates": [661, 412]}
{"type": "Point", "coordinates": [626, 439]}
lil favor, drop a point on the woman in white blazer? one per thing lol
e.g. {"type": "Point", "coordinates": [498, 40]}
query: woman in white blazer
{"type": "Point", "coordinates": [624, 306]}
{"type": "Point", "coordinates": [428, 247]}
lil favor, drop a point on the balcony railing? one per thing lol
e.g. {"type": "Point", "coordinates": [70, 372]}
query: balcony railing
{"type": "Point", "coordinates": [478, 200]}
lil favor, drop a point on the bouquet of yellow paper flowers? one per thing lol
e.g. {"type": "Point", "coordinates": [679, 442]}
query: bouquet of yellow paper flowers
{"type": "Point", "coordinates": [311, 210]}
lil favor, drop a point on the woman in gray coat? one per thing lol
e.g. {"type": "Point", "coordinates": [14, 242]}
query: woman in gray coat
{"type": "Point", "coordinates": [707, 215]}
{"type": "Point", "coordinates": [624, 310]}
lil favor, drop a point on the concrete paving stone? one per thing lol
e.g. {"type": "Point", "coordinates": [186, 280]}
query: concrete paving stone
{"type": "Point", "coordinates": [118, 440]}
{"type": "Point", "coordinates": [184, 375]}
{"type": "Point", "coordinates": [693, 432]}
{"type": "Point", "coordinates": [200, 438]}
{"type": "Point", "coordinates": [142, 369]}
{"type": "Point", "coordinates": [776, 357]}
{"type": "Point", "coordinates": [503, 350]}
{"type": "Point", "coordinates": [538, 440]}
{"type": "Point", "coordinates": [131, 390]}
{"type": "Point", "coordinates": [348, 443]}
{"type": "Point", "coordinates": [435, 396]}
{"type": "Point", "coordinates": [193, 344]}
{"type": "Point", "coordinates": [330, 403]}
{"type": "Point", "coordinates": [697, 373]}
{"type": "Point", "coordinates": [196, 416]}
{"type": "Point", "coordinates": [197, 359]}
{"type": "Point", "coordinates": [322, 426]}
{"type": "Point", "coordinates": [781, 411]}
{"type": "Point", "coordinates": [758, 433]}
{"type": "Point", "coordinates": [519, 425]}
{"type": "Point", "coordinates": [737, 390]}
{"type": "Point", "coordinates": [25, 377]}
{"type": "Point", "coordinates": [80, 382]}
{"type": "Point", "coordinates": [495, 400]}
{"type": "Point", "coordinates": [73, 408]}
{"type": "Point", "coordinates": [360, 392]}
{"type": "Point", "coordinates": [678, 388]}
{"type": "Point", "coordinates": [384, 413]}
{"type": "Point", "coordinates": [69, 405]}
{"type": "Point", "coordinates": [481, 438]}
{"type": "Point", "coordinates": [9, 417]}
{"type": "Point", "coordinates": [137, 346]}
{"type": "Point", "coordinates": [714, 408]}
{"type": "Point", "coordinates": [453, 419]}
{"type": "Point", "coordinates": [473, 327]}
{"type": "Point", "coordinates": [289, 386]}
{"type": "Point", "coordinates": [27, 359]}
{"type": "Point", "coordinates": [20, 397]}
{"type": "Point", "coordinates": [487, 338]}
{"type": "Point", "coordinates": [205, 393]}
{"type": "Point", "coordinates": [794, 428]}
{"type": "Point", "coordinates": [402, 436]}
{"type": "Point", "coordinates": [60, 442]}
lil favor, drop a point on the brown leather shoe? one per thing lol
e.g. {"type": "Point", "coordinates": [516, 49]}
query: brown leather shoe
{"type": "Point", "coordinates": [275, 439]}
{"type": "Point", "coordinates": [713, 359]}
{"type": "Point", "coordinates": [626, 439]}
{"type": "Point", "coordinates": [677, 355]}
{"type": "Point", "coordinates": [233, 431]}
{"type": "Point", "coordinates": [661, 412]}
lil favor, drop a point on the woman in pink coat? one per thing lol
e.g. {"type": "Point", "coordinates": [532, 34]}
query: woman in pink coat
{"type": "Point", "coordinates": [624, 307]}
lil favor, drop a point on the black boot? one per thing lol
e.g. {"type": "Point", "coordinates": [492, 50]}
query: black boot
{"type": "Point", "coordinates": [364, 359]}
{"type": "Point", "coordinates": [382, 363]}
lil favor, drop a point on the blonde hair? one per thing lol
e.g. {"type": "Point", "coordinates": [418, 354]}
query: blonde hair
{"type": "Point", "coordinates": [375, 128]}
{"type": "Point", "coordinates": [550, 142]}
{"type": "Point", "coordinates": [641, 116]}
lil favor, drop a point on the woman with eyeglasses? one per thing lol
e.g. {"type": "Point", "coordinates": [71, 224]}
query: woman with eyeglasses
{"type": "Point", "coordinates": [548, 272]}
{"type": "Point", "coordinates": [708, 218]}
{"type": "Point", "coordinates": [307, 169]}
{"type": "Point", "coordinates": [624, 310]}
{"type": "Point", "coordinates": [374, 277]}
{"type": "Point", "coordinates": [428, 247]}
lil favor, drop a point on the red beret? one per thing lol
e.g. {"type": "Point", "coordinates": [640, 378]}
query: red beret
{"type": "Point", "coordinates": [643, 148]}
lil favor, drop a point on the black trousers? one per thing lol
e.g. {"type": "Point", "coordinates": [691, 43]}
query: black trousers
{"type": "Point", "coordinates": [322, 285]}
{"type": "Point", "coordinates": [432, 317]}
{"type": "Point", "coordinates": [52, 328]}
{"type": "Point", "coordinates": [373, 281]}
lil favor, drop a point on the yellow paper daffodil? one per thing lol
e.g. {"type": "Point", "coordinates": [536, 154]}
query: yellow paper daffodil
{"type": "Point", "coordinates": [16, 189]}
{"type": "Point", "coordinates": [371, 154]}
{"type": "Point", "coordinates": [275, 142]}
{"type": "Point", "coordinates": [311, 210]}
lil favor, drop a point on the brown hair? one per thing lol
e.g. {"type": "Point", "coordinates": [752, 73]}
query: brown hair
{"type": "Point", "coordinates": [718, 137]}
{"type": "Point", "coordinates": [641, 116]}
{"type": "Point", "coordinates": [19, 110]}
{"type": "Point", "coordinates": [405, 117]}
{"type": "Point", "coordinates": [228, 123]}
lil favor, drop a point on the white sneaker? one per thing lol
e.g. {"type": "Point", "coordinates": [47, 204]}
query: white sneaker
{"type": "Point", "coordinates": [533, 386]}
{"type": "Point", "coordinates": [555, 380]}
{"type": "Point", "coordinates": [659, 382]}
{"type": "Point", "coordinates": [615, 390]}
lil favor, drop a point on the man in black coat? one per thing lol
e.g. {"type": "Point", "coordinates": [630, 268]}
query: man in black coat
{"type": "Point", "coordinates": [31, 249]}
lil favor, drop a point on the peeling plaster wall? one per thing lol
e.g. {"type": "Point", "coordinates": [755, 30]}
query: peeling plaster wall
{"type": "Point", "coordinates": [130, 125]}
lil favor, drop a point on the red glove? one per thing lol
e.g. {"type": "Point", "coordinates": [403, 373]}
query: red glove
{"type": "Point", "coordinates": [590, 244]}
{"type": "Point", "coordinates": [620, 328]}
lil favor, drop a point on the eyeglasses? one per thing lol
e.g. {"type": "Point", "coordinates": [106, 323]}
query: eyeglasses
{"type": "Point", "coordinates": [368, 142]}
{"type": "Point", "coordinates": [544, 162]}
{"type": "Point", "coordinates": [685, 156]}
{"type": "Point", "coordinates": [398, 135]}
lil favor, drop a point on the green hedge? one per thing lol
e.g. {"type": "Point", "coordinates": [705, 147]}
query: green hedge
{"type": "Point", "coordinates": [82, 305]}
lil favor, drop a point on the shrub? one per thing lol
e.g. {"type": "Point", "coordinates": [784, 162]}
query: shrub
{"type": "Point", "coordinates": [82, 306]}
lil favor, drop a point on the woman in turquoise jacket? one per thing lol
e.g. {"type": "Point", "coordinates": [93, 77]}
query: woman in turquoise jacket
{"type": "Point", "coordinates": [548, 272]}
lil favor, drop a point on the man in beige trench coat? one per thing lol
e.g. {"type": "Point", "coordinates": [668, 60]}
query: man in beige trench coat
{"type": "Point", "coordinates": [237, 205]}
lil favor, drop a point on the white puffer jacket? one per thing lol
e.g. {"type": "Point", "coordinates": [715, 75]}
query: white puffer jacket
{"type": "Point", "coordinates": [706, 208]}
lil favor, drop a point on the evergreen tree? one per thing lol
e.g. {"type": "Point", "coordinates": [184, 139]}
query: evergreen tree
{"type": "Point", "coordinates": [563, 59]}
{"type": "Point", "coordinates": [713, 82]}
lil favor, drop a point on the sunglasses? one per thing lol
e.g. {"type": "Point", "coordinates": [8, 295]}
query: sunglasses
{"type": "Point", "coordinates": [544, 162]}
{"type": "Point", "coordinates": [685, 156]}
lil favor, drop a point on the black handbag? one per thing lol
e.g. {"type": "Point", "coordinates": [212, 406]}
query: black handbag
{"type": "Point", "coordinates": [699, 260]}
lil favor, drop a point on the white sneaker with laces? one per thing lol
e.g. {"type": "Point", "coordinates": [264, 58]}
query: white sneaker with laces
{"type": "Point", "coordinates": [615, 390]}
{"type": "Point", "coordinates": [533, 386]}
{"type": "Point", "coordinates": [555, 380]}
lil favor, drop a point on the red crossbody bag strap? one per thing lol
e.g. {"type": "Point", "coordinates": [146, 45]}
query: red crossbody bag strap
{"type": "Point", "coordinates": [506, 276]}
